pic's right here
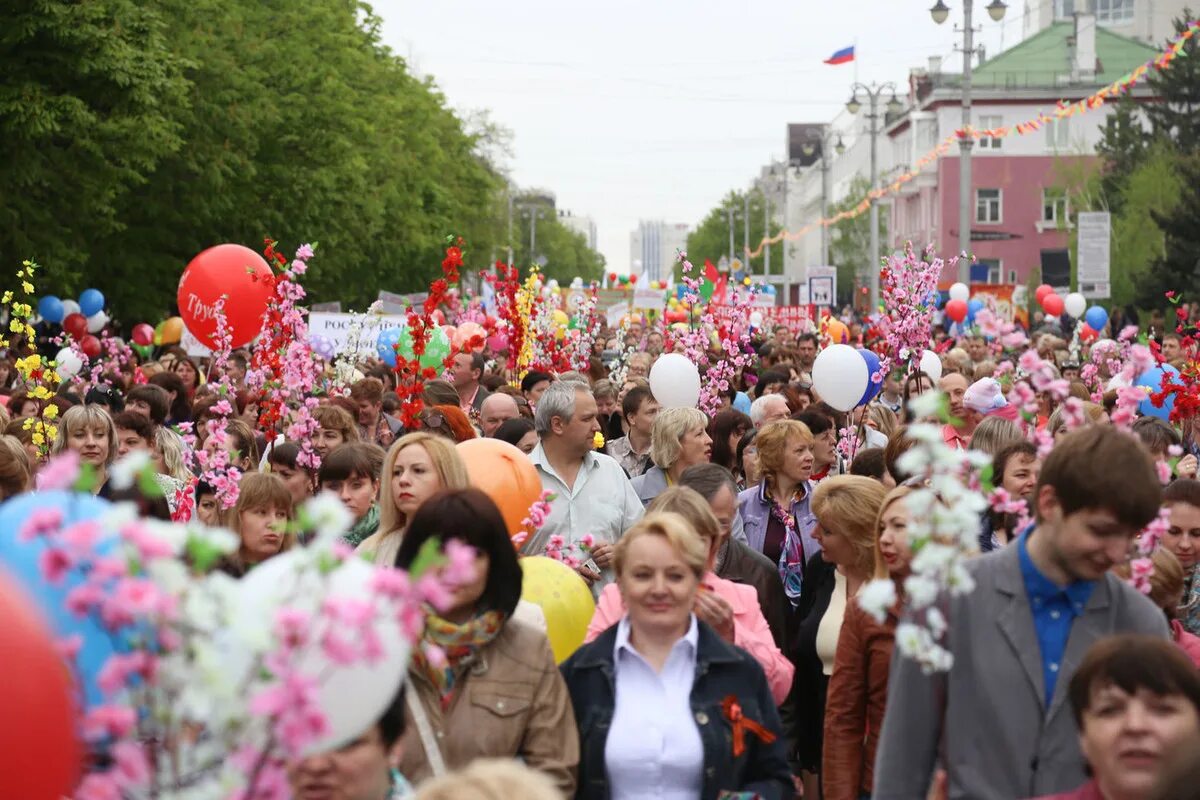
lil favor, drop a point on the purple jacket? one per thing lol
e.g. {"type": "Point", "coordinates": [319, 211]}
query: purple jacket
{"type": "Point", "coordinates": [755, 507]}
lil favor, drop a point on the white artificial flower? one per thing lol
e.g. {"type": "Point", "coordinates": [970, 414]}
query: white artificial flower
{"type": "Point", "coordinates": [936, 621]}
{"type": "Point", "coordinates": [877, 597]}
{"type": "Point", "coordinates": [933, 559]}
{"type": "Point", "coordinates": [959, 579]}
{"type": "Point", "coordinates": [912, 639]}
{"type": "Point", "coordinates": [329, 516]}
{"type": "Point", "coordinates": [171, 575]}
{"type": "Point", "coordinates": [123, 473]}
{"type": "Point", "coordinates": [921, 590]}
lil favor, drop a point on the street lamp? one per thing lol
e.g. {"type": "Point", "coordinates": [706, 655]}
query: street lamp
{"type": "Point", "coordinates": [873, 94]}
{"type": "Point", "coordinates": [940, 12]}
{"type": "Point", "coordinates": [825, 138]}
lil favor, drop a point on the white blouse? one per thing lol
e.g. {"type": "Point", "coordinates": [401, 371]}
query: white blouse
{"type": "Point", "coordinates": [654, 750]}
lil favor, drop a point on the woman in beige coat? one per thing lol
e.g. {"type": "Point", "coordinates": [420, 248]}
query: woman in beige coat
{"type": "Point", "coordinates": [497, 692]}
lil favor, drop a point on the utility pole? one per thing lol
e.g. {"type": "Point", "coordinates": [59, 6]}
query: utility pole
{"type": "Point", "coordinates": [731, 256]}
{"type": "Point", "coordinates": [510, 225]}
{"type": "Point", "coordinates": [876, 119]}
{"type": "Point", "coordinates": [746, 231]}
{"type": "Point", "coordinates": [766, 231]}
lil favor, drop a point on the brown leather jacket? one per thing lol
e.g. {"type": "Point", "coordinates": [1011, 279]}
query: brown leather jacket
{"type": "Point", "coordinates": [855, 702]}
{"type": "Point", "coordinates": [510, 703]}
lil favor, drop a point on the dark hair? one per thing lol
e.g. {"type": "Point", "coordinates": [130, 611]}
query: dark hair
{"type": "Point", "coordinates": [363, 459]}
{"type": "Point", "coordinates": [1183, 490]}
{"type": "Point", "coordinates": [816, 421]}
{"type": "Point", "coordinates": [898, 444]}
{"type": "Point", "coordinates": [746, 440]}
{"type": "Point", "coordinates": [471, 517]}
{"type": "Point", "coordinates": [155, 397]}
{"type": "Point", "coordinates": [129, 421]}
{"type": "Point", "coordinates": [391, 724]}
{"type": "Point", "coordinates": [634, 399]}
{"type": "Point", "coordinates": [440, 392]}
{"type": "Point", "coordinates": [533, 378]}
{"type": "Point", "coordinates": [767, 378]}
{"type": "Point", "coordinates": [181, 409]}
{"type": "Point", "coordinates": [105, 395]}
{"type": "Point", "coordinates": [910, 384]}
{"type": "Point", "coordinates": [1156, 434]}
{"type": "Point", "coordinates": [514, 430]}
{"type": "Point", "coordinates": [244, 440]}
{"type": "Point", "coordinates": [1081, 470]}
{"type": "Point", "coordinates": [708, 479]}
{"type": "Point", "coordinates": [722, 426]}
{"type": "Point", "coordinates": [808, 337]}
{"type": "Point", "coordinates": [839, 418]}
{"type": "Point", "coordinates": [1024, 447]}
{"type": "Point", "coordinates": [285, 454]}
{"type": "Point", "coordinates": [1132, 661]}
{"type": "Point", "coordinates": [870, 463]}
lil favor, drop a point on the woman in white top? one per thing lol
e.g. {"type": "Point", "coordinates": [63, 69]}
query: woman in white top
{"type": "Point", "coordinates": [666, 708]}
{"type": "Point", "coordinates": [845, 507]}
{"type": "Point", "coordinates": [418, 466]}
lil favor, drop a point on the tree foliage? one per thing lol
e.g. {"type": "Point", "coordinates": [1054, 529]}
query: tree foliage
{"type": "Point", "coordinates": [133, 135]}
{"type": "Point", "coordinates": [710, 239]}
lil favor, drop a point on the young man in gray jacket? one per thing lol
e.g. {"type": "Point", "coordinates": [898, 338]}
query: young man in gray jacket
{"type": "Point", "coordinates": [999, 722]}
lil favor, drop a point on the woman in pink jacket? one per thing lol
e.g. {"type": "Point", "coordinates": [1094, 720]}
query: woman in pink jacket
{"type": "Point", "coordinates": [731, 609]}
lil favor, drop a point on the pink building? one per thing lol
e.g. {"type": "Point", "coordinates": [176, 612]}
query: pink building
{"type": "Point", "coordinates": [1020, 215]}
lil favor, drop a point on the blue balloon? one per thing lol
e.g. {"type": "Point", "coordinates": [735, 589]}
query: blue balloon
{"type": "Point", "coordinates": [1153, 379]}
{"type": "Point", "coordinates": [91, 302]}
{"type": "Point", "coordinates": [20, 560]}
{"type": "Point", "coordinates": [1096, 318]}
{"type": "Point", "coordinates": [873, 386]}
{"type": "Point", "coordinates": [385, 345]}
{"type": "Point", "coordinates": [975, 305]}
{"type": "Point", "coordinates": [51, 309]}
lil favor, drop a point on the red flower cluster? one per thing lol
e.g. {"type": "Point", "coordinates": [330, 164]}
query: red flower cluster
{"type": "Point", "coordinates": [276, 336]}
{"type": "Point", "coordinates": [1186, 385]}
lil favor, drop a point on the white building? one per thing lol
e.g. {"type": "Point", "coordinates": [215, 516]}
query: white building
{"type": "Point", "coordinates": [1148, 21]}
{"type": "Point", "coordinates": [655, 244]}
{"type": "Point", "coordinates": [584, 226]}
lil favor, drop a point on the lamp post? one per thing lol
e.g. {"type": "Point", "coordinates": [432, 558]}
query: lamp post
{"type": "Point", "coordinates": [939, 13]}
{"type": "Point", "coordinates": [826, 140]}
{"type": "Point", "coordinates": [893, 106]}
{"type": "Point", "coordinates": [782, 171]}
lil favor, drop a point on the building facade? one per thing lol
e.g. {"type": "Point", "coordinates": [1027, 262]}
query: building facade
{"type": "Point", "coordinates": [1147, 21]}
{"type": "Point", "coordinates": [654, 246]}
{"type": "Point", "coordinates": [584, 226]}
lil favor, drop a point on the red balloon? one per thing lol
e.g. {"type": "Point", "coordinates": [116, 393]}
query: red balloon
{"type": "Point", "coordinates": [956, 310]}
{"type": "Point", "coordinates": [1052, 304]}
{"type": "Point", "coordinates": [1042, 291]}
{"type": "Point", "coordinates": [143, 334]}
{"type": "Point", "coordinates": [633, 278]}
{"type": "Point", "coordinates": [90, 346]}
{"type": "Point", "coordinates": [232, 270]}
{"type": "Point", "coordinates": [612, 277]}
{"type": "Point", "coordinates": [1086, 333]}
{"type": "Point", "coordinates": [40, 757]}
{"type": "Point", "coordinates": [75, 324]}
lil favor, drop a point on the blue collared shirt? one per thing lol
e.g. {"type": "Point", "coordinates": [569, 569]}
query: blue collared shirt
{"type": "Point", "coordinates": [1054, 611]}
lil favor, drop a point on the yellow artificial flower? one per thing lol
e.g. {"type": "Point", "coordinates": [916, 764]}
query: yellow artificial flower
{"type": "Point", "coordinates": [38, 439]}
{"type": "Point", "coordinates": [16, 326]}
{"type": "Point", "coordinates": [51, 411]}
{"type": "Point", "coordinates": [40, 392]}
{"type": "Point", "coordinates": [7, 298]}
{"type": "Point", "coordinates": [598, 441]}
{"type": "Point", "coordinates": [27, 286]}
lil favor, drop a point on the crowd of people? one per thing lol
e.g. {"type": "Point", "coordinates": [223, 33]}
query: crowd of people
{"type": "Point", "coordinates": [728, 656]}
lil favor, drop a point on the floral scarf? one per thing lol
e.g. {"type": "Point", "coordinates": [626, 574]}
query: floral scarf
{"type": "Point", "coordinates": [791, 561]}
{"type": "Point", "coordinates": [459, 643]}
{"type": "Point", "coordinates": [363, 528]}
{"type": "Point", "coordinates": [1189, 610]}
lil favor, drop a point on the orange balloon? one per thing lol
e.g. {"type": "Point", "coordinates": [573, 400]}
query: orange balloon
{"type": "Point", "coordinates": [506, 475]}
{"type": "Point", "coordinates": [837, 331]}
{"type": "Point", "coordinates": [169, 331]}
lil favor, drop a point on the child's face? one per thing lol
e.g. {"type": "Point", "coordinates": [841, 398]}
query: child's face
{"type": "Point", "coordinates": [206, 509]}
{"type": "Point", "coordinates": [262, 531]}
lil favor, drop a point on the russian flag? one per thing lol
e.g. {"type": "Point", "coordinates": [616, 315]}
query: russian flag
{"type": "Point", "coordinates": [843, 56]}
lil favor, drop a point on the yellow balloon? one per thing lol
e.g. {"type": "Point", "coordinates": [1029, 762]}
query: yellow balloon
{"type": "Point", "coordinates": [564, 598]}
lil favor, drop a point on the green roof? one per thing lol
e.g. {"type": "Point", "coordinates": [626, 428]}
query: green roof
{"type": "Point", "coordinates": [1045, 59]}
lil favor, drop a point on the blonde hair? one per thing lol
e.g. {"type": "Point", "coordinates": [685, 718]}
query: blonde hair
{"type": "Point", "coordinates": [994, 433]}
{"type": "Point", "coordinates": [691, 505]}
{"type": "Point", "coordinates": [15, 470]}
{"type": "Point", "coordinates": [899, 493]}
{"type": "Point", "coordinates": [883, 417]}
{"type": "Point", "coordinates": [174, 453]}
{"type": "Point", "coordinates": [666, 436]}
{"type": "Point", "coordinates": [79, 417]}
{"type": "Point", "coordinates": [772, 440]}
{"type": "Point", "coordinates": [490, 779]}
{"type": "Point", "coordinates": [1093, 412]}
{"type": "Point", "coordinates": [851, 503]}
{"type": "Point", "coordinates": [1166, 579]}
{"type": "Point", "coordinates": [683, 539]}
{"type": "Point", "coordinates": [336, 418]}
{"type": "Point", "coordinates": [449, 466]}
{"type": "Point", "coordinates": [262, 490]}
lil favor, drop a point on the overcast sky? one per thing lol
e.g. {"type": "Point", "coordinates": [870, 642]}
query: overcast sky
{"type": "Point", "coordinates": [655, 109]}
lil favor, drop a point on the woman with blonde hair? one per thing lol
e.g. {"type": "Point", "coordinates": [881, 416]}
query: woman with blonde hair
{"type": "Point", "coordinates": [857, 693]}
{"type": "Point", "coordinates": [731, 609]}
{"type": "Point", "coordinates": [660, 694]}
{"type": "Point", "coordinates": [846, 508]}
{"type": "Point", "coordinates": [994, 433]}
{"type": "Point", "coordinates": [417, 466]}
{"type": "Point", "coordinates": [88, 431]}
{"type": "Point", "coordinates": [776, 513]}
{"type": "Point", "coordinates": [260, 519]}
{"type": "Point", "coordinates": [16, 474]}
{"type": "Point", "coordinates": [678, 439]}
{"type": "Point", "coordinates": [490, 779]}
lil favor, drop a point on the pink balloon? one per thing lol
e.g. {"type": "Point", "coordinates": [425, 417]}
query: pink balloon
{"type": "Point", "coordinates": [468, 331]}
{"type": "Point", "coordinates": [498, 343]}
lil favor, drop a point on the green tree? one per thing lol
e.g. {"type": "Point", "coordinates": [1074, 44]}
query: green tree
{"type": "Point", "coordinates": [565, 251]}
{"type": "Point", "coordinates": [850, 240]}
{"type": "Point", "coordinates": [1175, 114]}
{"type": "Point", "coordinates": [1177, 265]}
{"type": "Point", "coordinates": [710, 239]}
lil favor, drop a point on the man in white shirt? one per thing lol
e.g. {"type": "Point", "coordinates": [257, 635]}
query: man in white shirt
{"type": "Point", "coordinates": [592, 494]}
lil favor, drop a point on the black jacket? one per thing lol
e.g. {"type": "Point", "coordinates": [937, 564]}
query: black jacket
{"type": "Point", "coordinates": [722, 670]}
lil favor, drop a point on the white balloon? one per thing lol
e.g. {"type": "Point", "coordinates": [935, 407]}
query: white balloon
{"type": "Point", "coordinates": [352, 697]}
{"type": "Point", "coordinates": [960, 291]}
{"type": "Point", "coordinates": [931, 365]}
{"type": "Point", "coordinates": [70, 307]}
{"type": "Point", "coordinates": [675, 382]}
{"type": "Point", "coordinates": [756, 319]}
{"type": "Point", "coordinates": [67, 363]}
{"type": "Point", "coordinates": [97, 321]}
{"type": "Point", "coordinates": [1075, 304]}
{"type": "Point", "coordinates": [840, 376]}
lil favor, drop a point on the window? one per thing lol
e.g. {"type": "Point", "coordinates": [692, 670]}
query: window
{"type": "Point", "coordinates": [1054, 206]}
{"type": "Point", "coordinates": [987, 123]}
{"type": "Point", "coordinates": [1063, 9]}
{"type": "Point", "coordinates": [1058, 133]}
{"type": "Point", "coordinates": [987, 206]}
{"type": "Point", "coordinates": [1114, 12]}
{"type": "Point", "coordinates": [994, 271]}
{"type": "Point", "coordinates": [1012, 276]}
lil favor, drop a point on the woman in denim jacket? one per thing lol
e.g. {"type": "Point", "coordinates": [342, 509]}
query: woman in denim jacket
{"type": "Point", "coordinates": [662, 703]}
